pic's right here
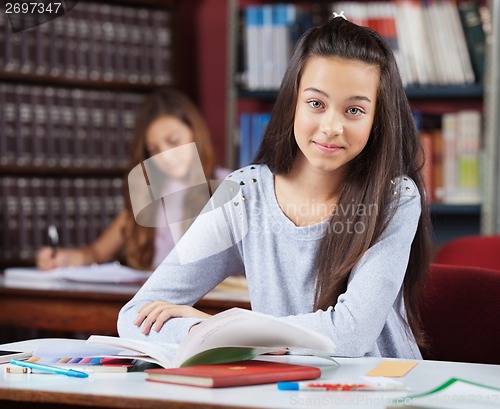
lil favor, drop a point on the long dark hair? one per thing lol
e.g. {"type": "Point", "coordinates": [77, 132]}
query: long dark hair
{"type": "Point", "coordinates": [139, 240]}
{"type": "Point", "coordinates": [393, 149]}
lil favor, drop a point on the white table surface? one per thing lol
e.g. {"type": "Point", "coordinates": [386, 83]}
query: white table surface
{"type": "Point", "coordinates": [424, 376]}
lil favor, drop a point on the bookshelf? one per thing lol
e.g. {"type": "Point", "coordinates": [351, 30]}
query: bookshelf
{"type": "Point", "coordinates": [426, 93]}
{"type": "Point", "coordinates": [69, 91]}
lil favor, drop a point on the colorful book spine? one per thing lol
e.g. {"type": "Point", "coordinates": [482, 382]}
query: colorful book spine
{"type": "Point", "coordinates": [474, 35]}
{"type": "Point", "coordinates": [245, 140]}
{"type": "Point", "coordinates": [252, 128]}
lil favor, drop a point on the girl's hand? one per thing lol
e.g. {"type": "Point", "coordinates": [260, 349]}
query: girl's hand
{"type": "Point", "coordinates": [47, 260]}
{"type": "Point", "coordinates": [154, 314]}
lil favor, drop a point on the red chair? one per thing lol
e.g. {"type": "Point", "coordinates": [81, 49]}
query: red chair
{"type": "Point", "coordinates": [474, 251]}
{"type": "Point", "coordinates": [460, 313]}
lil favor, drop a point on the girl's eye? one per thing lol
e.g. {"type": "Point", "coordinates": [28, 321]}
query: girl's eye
{"type": "Point", "coordinates": [315, 104]}
{"type": "Point", "coordinates": [354, 111]}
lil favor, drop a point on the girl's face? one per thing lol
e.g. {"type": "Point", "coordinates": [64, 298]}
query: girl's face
{"type": "Point", "coordinates": [335, 110]}
{"type": "Point", "coordinates": [167, 132]}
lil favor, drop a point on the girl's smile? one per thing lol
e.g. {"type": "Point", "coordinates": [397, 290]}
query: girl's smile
{"type": "Point", "coordinates": [327, 148]}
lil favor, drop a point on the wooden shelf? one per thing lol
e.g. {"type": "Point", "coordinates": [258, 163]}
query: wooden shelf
{"type": "Point", "coordinates": [413, 92]}
{"type": "Point", "coordinates": [445, 91]}
{"type": "Point", "coordinates": [75, 82]}
{"type": "Point", "coordinates": [265, 95]}
{"type": "Point", "coordinates": [455, 209]}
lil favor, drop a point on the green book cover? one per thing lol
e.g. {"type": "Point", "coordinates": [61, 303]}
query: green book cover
{"type": "Point", "coordinates": [455, 393]}
{"type": "Point", "coordinates": [468, 168]}
{"type": "Point", "coordinates": [474, 36]}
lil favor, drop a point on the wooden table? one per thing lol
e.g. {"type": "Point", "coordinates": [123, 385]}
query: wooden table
{"type": "Point", "coordinates": [72, 307]}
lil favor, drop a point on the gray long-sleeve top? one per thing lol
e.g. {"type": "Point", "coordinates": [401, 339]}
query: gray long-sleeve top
{"type": "Point", "coordinates": [245, 232]}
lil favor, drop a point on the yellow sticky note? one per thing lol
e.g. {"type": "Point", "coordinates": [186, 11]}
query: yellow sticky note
{"type": "Point", "coordinates": [392, 369]}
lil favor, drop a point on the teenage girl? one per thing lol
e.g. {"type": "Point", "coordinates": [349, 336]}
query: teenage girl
{"type": "Point", "coordinates": [329, 225]}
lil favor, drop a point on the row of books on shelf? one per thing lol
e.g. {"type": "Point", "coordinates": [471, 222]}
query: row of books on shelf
{"type": "Point", "coordinates": [59, 127]}
{"type": "Point", "coordinates": [268, 33]}
{"type": "Point", "coordinates": [435, 43]}
{"type": "Point", "coordinates": [453, 149]}
{"type": "Point", "coordinates": [93, 41]}
{"type": "Point", "coordinates": [79, 207]}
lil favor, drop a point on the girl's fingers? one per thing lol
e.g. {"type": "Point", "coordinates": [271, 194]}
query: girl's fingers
{"type": "Point", "coordinates": [144, 311]}
{"type": "Point", "coordinates": [141, 315]}
{"type": "Point", "coordinates": [161, 314]}
{"type": "Point", "coordinates": [161, 319]}
{"type": "Point", "coordinates": [174, 311]}
{"type": "Point", "coordinates": [138, 320]}
{"type": "Point", "coordinates": [149, 321]}
{"type": "Point", "coordinates": [152, 316]}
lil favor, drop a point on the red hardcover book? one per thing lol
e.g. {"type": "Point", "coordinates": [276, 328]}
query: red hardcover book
{"type": "Point", "coordinates": [241, 373]}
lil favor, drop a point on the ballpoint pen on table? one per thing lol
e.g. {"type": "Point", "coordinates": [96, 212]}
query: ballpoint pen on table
{"type": "Point", "coordinates": [338, 387]}
{"type": "Point", "coordinates": [54, 239]}
{"type": "Point", "coordinates": [50, 369]}
{"type": "Point", "coordinates": [19, 370]}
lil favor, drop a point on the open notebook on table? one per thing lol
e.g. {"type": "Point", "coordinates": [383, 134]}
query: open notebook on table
{"type": "Point", "coordinates": [98, 273]}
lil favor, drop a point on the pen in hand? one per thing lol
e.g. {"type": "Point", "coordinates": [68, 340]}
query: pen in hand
{"type": "Point", "coordinates": [54, 239]}
{"type": "Point", "coordinates": [50, 369]}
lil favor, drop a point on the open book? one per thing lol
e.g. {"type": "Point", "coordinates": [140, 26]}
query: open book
{"type": "Point", "coordinates": [232, 335]}
{"type": "Point", "coordinates": [99, 273]}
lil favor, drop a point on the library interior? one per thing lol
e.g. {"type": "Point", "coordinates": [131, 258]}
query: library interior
{"type": "Point", "coordinates": [83, 84]}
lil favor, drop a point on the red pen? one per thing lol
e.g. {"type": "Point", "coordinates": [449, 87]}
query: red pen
{"type": "Point", "coordinates": [338, 387]}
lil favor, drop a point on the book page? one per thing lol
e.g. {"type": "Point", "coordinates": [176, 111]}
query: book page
{"type": "Point", "coordinates": [71, 348]}
{"type": "Point", "coordinates": [105, 273]}
{"type": "Point", "coordinates": [152, 352]}
{"type": "Point", "coordinates": [244, 328]}
{"type": "Point", "coordinates": [101, 273]}
{"type": "Point", "coordinates": [31, 273]}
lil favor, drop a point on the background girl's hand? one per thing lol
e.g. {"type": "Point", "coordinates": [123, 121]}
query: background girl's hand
{"type": "Point", "coordinates": [154, 314]}
{"type": "Point", "coordinates": [47, 260]}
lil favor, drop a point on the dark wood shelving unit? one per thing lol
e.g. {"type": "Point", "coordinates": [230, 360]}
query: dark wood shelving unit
{"type": "Point", "coordinates": [64, 138]}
